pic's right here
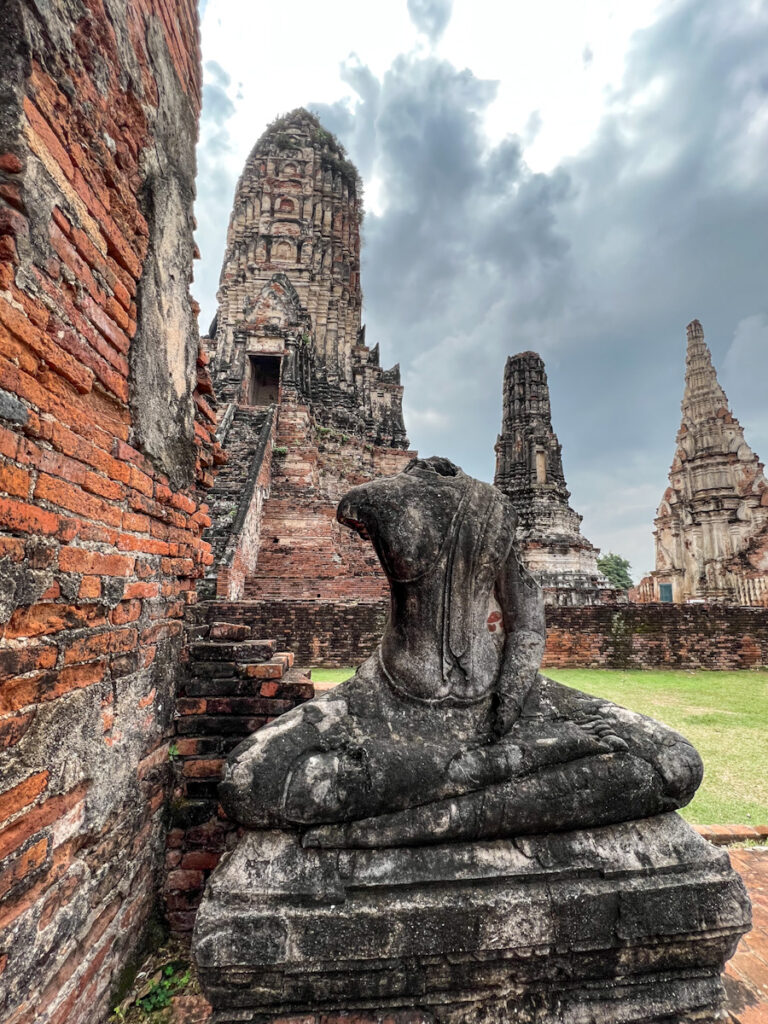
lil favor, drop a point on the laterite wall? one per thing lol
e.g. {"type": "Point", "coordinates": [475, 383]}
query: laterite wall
{"type": "Point", "coordinates": [335, 634]}
{"type": "Point", "coordinates": [104, 440]}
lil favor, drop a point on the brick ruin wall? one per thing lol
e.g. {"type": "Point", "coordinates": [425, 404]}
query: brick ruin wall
{"type": "Point", "coordinates": [303, 553]}
{"type": "Point", "coordinates": [323, 633]}
{"type": "Point", "coordinates": [342, 634]}
{"type": "Point", "coordinates": [104, 442]}
{"type": "Point", "coordinates": [657, 636]}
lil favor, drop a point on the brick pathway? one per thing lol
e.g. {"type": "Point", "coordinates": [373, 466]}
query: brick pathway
{"type": "Point", "coordinates": [746, 979]}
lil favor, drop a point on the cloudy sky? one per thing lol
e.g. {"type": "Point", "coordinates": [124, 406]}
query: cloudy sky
{"type": "Point", "coordinates": [581, 179]}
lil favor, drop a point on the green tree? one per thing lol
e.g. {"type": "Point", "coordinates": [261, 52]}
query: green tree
{"type": "Point", "coordinates": [616, 569]}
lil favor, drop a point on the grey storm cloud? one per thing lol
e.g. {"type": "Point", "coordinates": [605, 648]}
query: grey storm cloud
{"type": "Point", "coordinates": [467, 236]}
{"type": "Point", "coordinates": [598, 265]}
{"type": "Point", "coordinates": [430, 16]}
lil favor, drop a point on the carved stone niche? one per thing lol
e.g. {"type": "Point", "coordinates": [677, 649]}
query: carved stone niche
{"type": "Point", "coordinates": [450, 837]}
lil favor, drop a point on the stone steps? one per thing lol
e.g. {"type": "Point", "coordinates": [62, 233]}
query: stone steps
{"type": "Point", "coordinates": [235, 683]}
{"type": "Point", "coordinates": [224, 497]}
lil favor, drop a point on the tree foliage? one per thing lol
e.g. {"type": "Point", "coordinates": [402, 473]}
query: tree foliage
{"type": "Point", "coordinates": [616, 569]}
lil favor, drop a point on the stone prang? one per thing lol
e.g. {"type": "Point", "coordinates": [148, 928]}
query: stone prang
{"type": "Point", "coordinates": [288, 337]}
{"type": "Point", "coordinates": [290, 301]}
{"type": "Point", "coordinates": [712, 524]}
{"type": "Point", "coordinates": [389, 814]}
{"type": "Point", "coordinates": [529, 470]}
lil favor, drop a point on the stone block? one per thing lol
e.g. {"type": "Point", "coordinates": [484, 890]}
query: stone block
{"type": "Point", "coordinates": [221, 686]}
{"type": "Point", "coordinates": [618, 925]}
{"type": "Point", "coordinates": [247, 651]}
{"type": "Point", "coordinates": [214, 669]}
{"type": "Point", "coordinates": [229, 631]}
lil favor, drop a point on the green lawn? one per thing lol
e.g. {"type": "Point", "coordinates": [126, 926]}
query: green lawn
{"type": "Point", "coordinates": [724, 715]}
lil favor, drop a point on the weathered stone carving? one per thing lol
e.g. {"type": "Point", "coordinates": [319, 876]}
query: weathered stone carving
{"type": "Point", "coordinates": [628, 924]}
{"type": "Point", "coordinates": [384, 879]}
{"type": "Point", "coordinates": [448, 731]}
{"type": "Point", "coordinates": [712, 524]}
{"type": "Point", "coordinates": [529, 470]}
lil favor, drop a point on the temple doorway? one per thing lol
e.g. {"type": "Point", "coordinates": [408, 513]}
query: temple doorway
{"type": "Point", "coordinates": [264, 382]}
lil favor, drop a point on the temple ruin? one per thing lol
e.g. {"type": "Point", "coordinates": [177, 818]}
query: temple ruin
{"type": "Point", "coordinates": [130, 665]}
{"type": "Point", "coordinates": [305, 409]}
{"type": "Point", "coordinates": [712, 524]}
{"type": "Point", "coordinates": [529, 470]}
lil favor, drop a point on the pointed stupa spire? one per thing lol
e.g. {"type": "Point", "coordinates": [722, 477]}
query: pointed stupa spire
{"type": "Point", "coordinates": [715, 508]}
{"type": "Point", "coordinates": [290, 298]}
{"type": "Point", "coordinates": [529, 470]}
{"type": "Point", "coordinates": [703, 398]}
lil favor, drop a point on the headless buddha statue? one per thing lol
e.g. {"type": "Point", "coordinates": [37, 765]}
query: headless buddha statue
{"type": "Point", "coordinates": [448, 731]}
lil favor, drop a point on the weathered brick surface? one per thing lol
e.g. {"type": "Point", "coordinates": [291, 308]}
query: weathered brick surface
{"type": "Point", "coordinates": [234, 683]}
{"type": "Point", "coordinates": [657, 635]}
{"type": "Point", "coordinates": [236, 500]}
{"type": "Point", "coordinates": [343, 633]}
{"type": "Point", "coordinates": [746, 975]}
{"type": "Point", "coordinates": [333, 634]}
{"type": "Point", "coordinates": [103, 445]}
{"type": "Point", "coordinates": [304, 554]}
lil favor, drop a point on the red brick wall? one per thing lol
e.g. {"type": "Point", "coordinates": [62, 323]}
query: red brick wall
{"type": "Point", "coordinates": [342, 634]}
{"type": "Point", "coordinates": [241, 552]}
{"type": "Point", "coordinates": [657, 635]}
{"type": "Point", "coordinates": [100, 522]}
{"type": "Point", "coordinates": [334, 634]}
{"type": "Point", "coordinates": [304, 554]}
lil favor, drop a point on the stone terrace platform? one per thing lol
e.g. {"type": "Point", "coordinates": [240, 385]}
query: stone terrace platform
{"type": "Point", "coordinates": [746, 977]}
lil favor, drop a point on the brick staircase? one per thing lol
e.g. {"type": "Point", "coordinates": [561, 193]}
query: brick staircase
{"type": "Point", "coordinates": [304, 554]}
{"type": "Point", "coordinates": [246, 440]}
{"type": "Point", "coordinates": [234, 684]}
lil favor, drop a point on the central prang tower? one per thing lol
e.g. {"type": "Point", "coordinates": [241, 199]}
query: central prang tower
{"type": "Point", "coordinates": [289, 316]}
{"type": "Point", "coordinates": [529, 470]}
{"type": "Point", "coordinates": [305, 411]}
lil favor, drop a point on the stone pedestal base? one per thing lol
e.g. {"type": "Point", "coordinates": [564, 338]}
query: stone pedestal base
{"type": "Point", "coordinates": [620, 925]}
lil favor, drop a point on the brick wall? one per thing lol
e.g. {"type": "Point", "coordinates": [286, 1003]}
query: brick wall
{"type": "Point", "coordinates": [237, 500]}
{"type": "Point", "coordinates": [234, 685]}
{"type": "Point", "coordinates": [343, 634]}
{"type": "Point", "coordinates": [332, 634]}
{"type": "Point", "coordinates": [657, 635]}
{"type": "Point", "coordinates": [304, 554]}
{"type": "Point", "coordinates": [104, 438]}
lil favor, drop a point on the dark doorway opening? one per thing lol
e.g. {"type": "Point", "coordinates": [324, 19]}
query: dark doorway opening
{"type": "Point", "coordinates": [264, 384]}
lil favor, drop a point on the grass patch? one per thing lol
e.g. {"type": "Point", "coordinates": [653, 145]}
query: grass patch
{"type": "Point", "coordinates": [724, 715]}
{"type": "Point", "coordinates": [331, 675]}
